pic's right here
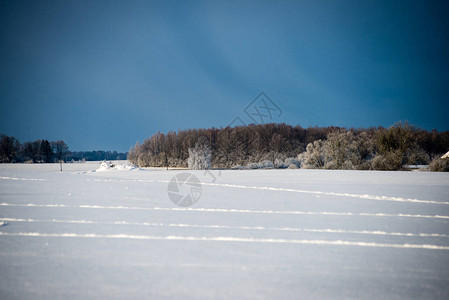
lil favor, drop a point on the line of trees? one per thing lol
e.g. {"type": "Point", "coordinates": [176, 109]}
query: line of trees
{"type": "Point", "coordinates": [97, 155]}
{"type": "Point", "coordinates": [315, 147]}
{"type": "Point", "coordinates": [43, 151]}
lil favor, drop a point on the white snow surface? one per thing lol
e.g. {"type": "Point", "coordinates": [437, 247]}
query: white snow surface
{"type": "Point", "coordinates": [102, 232]}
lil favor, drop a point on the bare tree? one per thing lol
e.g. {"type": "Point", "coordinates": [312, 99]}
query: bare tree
{"type": "Point", "coordinates": [60, 149]}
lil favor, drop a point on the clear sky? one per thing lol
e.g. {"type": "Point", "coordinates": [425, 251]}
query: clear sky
{"type": "Point", "coordinates": [104, 74]}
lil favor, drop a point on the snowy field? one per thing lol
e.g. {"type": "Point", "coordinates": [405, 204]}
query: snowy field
{"type": "Point", "coordinates": [253, 234]}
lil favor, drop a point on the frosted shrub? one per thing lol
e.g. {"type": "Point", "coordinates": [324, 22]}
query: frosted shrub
{"type": "Point", "coordinates": [345, 150]}
{"type": "Point", "coordinates": [338, 149]}
{"type": "Point", "coordinates": [342, 150]}
{"type": "Point", "coordinates": [313, 157]}
{"type": "Point", "coordinates": [388, 162]}
{"type": "Point", "coordinates": [177, 162]}
{"type": "Point", "coordinates": [200, 157]}
{"type": "Point", "coordinates": [348, 165]}
{"type": "Point", "coordinates": [266, 164]}
{"type": "Point", "coordinates": [439, 165]}
{"type": "Point", "coordinates": [253, 166]}
{"type": "Point", "coordinates": [143, 160]}
{"type": "Point", "coordinates": [238, 167]}
{"type": "Point", "coordinates": [400, 140]}
{"type": "Point", "coordinates": [278, 163]}
{"type": "Point", "coordinates": [417, 156]}
{"type": "Point", "coordinates": [292, 161]}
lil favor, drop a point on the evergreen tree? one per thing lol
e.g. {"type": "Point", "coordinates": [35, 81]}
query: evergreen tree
{"type": "Point", "coordinates": [46, 151]}
{"type": "Point", "coordinates": [9, 147]}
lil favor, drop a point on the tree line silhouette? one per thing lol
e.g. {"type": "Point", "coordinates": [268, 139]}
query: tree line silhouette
{"type": "Point", "coordinates": [43, 151]}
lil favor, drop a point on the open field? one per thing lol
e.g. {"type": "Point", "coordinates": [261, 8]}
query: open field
{"type": "Point", "coordinates": [253, 234]}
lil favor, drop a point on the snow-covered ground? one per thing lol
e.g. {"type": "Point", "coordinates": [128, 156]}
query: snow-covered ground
{"type": "Point", "coordinates": [256, 234]}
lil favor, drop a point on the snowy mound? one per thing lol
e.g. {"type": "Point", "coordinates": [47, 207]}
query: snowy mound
{"type": "Point", "coordinates": [107, 165]}
{"type": "Point", "coordinates": [127, 166]}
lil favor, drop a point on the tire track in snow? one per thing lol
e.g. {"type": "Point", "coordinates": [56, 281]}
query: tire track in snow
{"type": "Point", "coordinates": [256, 228]}
{"type": "Point", "coordinates": [22, 179]}
{"type": "Point", "coordinates": [222, 210]}
{"type": "Point", "coordinates": [227, 239]}
{"type": "Point", "coordinates": [267, 188]}
{"type": "Point", "coordinates": [360, 196]}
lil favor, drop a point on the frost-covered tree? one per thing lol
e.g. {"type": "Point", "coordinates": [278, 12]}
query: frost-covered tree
{"type": "Point", "coordinates": [337, 149]}
{"type": "Point", "coordinates": [341, 150]}
{"type": "Point", "coordinates": [314, 156]}
{"type": "Point", "coordinates": [143, 160]}
{"type": "Point", "coordinates": [398, 145]}
{"type": "Point", "coordinates": [200, 157]}
{"type": "Point", "coordinates": [133, 153]}
{"type": "Point", "coordinates": [345, 150]}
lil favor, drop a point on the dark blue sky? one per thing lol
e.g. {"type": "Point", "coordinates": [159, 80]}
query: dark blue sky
{"type": "Point", "coordinates": [104, 74]}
